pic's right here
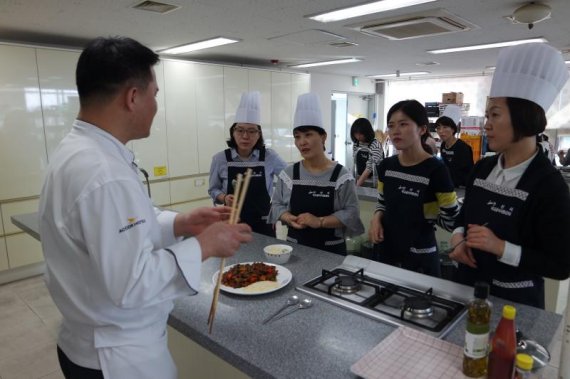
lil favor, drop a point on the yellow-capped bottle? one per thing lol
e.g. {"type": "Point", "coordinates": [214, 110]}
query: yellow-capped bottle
{"type": "Point", "coordinates": [523, 366]}
{"type": "Point", "coordinates": [477, 333]}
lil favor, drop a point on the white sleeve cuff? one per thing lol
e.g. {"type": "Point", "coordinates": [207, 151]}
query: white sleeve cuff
{"type": "Point", "coordinates": [459, 230]}
{"type": "Point", "coordinates": [188, 254]}
{"type": "Point", "coordinates": [511, 254]}
{"type": "Point", "coordinates": [166, 222]}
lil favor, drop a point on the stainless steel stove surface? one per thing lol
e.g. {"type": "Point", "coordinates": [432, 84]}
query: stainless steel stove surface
{"type": "Point", "coordinates": [392, 295]}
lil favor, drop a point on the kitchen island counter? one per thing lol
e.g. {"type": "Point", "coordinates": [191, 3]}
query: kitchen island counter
{"type": "Point", "coordinates": [323, 341]}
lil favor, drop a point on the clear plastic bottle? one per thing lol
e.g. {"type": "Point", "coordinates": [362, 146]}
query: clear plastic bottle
{"type": "Point", "coordinates": [523, 366]}
{"type": "Point", "coordinates": [477, 333]}
{"type": "Point", "coordinates": [503, 347]}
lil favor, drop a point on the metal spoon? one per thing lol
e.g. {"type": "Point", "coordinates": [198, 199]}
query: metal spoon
{"type": "Point", "coordinates": [304, 304]}
{"type": "Point", "coordinates": [293, 300]}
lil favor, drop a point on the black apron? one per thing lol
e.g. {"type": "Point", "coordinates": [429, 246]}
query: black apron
{"type": "Point", "coordinates": [257, 202]}
{"type": "Point", "coordinates": [317, 198]}
{"type": "Point", "coordinates": [360, 158]}
{"type": "Point", "coordinates": [409, 239]}
{"type": "Point", "coordinates": [501, 207]}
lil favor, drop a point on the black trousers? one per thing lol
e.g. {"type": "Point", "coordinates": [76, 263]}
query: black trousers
{"type": "Point", "coordinates": [72, 371]}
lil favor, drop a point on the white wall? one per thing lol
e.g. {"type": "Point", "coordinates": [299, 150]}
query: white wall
{"type": "Point", "coordinates": [325, 84]}
{"type": "Point", "coordinates": [196, 106]}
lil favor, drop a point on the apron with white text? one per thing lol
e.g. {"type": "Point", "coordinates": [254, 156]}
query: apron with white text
{"type": "Point", "coordinates": [317, 198]}
{"type": "Point", "coordinates": [257, 201]}
{"type": "Point", "coordinates": [501, 208]}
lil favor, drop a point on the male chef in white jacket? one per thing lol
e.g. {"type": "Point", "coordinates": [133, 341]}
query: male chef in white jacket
{"type": "Point", "coordinates": [114, 263]}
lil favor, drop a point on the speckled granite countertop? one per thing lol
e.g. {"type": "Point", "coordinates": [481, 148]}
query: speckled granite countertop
{"type": "Point", "coordinates": [323, 341]}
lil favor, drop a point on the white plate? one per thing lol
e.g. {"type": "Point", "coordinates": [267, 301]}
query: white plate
{"type": "Point", "coordinates": [284, 276]}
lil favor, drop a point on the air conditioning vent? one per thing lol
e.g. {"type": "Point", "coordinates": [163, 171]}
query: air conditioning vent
{"type": "Point", "coordinates": [414, 28]}
{"type": "Point", "coordinates": [155, 6]}
{"type": "Point", "coordinates": [415, 25]}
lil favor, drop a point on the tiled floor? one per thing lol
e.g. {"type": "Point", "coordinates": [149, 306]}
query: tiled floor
{"type": "Point", "coordinates": [28, 328]}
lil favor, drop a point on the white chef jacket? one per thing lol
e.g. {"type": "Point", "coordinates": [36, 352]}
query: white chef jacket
{"type": "Point", "coordinates": [107, 269]}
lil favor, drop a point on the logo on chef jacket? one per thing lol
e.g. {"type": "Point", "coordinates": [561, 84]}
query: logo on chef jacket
{"type": "Point", "coordinates": [502, 209]}
{"type": "Point", "coordinates": [319, 193]}
{"type": "Point", "coordinates": [409, 191]}
{"type": "Point", "coordinates": [132, 222]}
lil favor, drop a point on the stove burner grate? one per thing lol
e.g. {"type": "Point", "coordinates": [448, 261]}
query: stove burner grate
{"type": "Point", "coordinates": [346, 284]}
{"type": "Point", "coordinates": [417, 307]}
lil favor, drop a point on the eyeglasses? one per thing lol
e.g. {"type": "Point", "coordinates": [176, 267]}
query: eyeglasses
{"type": "Point", "coordinates": [249, 132]}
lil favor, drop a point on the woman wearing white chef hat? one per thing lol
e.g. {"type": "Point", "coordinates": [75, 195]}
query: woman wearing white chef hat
{"type": "Point", "coordinates": [315, 197]}
{"type": "Point", "coordinates": [522, 198]}
{"type": "Point", "coordinates": [456, 154]}
{"type": "Point", "coordinates": [247, 150]}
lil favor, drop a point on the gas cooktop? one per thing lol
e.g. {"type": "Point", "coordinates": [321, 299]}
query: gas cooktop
{"type": "Point", "coordinates": [392, 295]}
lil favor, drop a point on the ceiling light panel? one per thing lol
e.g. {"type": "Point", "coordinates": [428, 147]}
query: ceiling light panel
{"type": "Point", "coordinates": [393, 75]}
{"type": "Point", "coordinates": [326, 63]}
{"type": "Point", "coordinates": [201, 45]}
{"type": "Point", "coordinates": [364, 9]}
{"type": "Point", "coordinates": [487, 46]}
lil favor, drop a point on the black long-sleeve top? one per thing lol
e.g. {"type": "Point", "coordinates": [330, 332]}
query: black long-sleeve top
{"type": "Point", "coordinates": [544, 224]}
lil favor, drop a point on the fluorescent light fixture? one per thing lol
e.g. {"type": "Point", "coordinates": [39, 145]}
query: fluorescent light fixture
{"type": "Point", "coordinates": [567, 62]}
{"type": "Point", "coordinates": [326, 63]}
{"type": "Point", "coordinates": [364, 9]}
{"type": "Point", "coordinates": [213, 42]}
{"type": "Point", "coordinates": [487, 46]}
{"type": "Point", "coordinates": [401, 74]}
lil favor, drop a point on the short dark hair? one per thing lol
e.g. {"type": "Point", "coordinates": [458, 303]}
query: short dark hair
{"type": "Point", "coordinates": [306, 128]}
{"type": "Point", "coordinates": [527, 117]}
{"type": "Point", "coordinates": [417, 112]}
{"type": "Point", "coordinates": [364, 127]}
{"type": "Point", "coordinates": [447, 121]}
{"type": "Point", "coordinates": [106, 64]}
{"type": "Point", "coordinates": [232, 141]}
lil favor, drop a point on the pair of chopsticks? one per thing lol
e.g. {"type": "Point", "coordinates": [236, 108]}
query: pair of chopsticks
{"type": "Point", "coordinates": [450, 250]}
{"type": "Point", "coordinates": [239, 197]}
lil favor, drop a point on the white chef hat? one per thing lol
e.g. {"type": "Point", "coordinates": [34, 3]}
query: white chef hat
{"type": "Point", "coordinates": [249, 108]}
{"type": "Point", "coordinates": [453, 112]}
{"type": "Point", "coordinates": [532, 71]}
{"type": "Point", "coordinates": [308, 111]}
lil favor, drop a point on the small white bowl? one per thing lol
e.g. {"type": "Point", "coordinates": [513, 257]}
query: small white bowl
{"type": "Point", "coordinates": [278, 254]}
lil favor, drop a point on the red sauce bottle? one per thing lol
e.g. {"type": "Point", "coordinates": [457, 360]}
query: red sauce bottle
{"type": "Point", "coordinates": [503, 347]}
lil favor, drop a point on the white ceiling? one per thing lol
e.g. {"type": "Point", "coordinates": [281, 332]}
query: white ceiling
{"type": "Point", "coordinates": [277, 29]}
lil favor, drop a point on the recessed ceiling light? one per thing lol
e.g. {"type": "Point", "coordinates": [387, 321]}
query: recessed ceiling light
{"type": "Point", "coordinates": [487, 46]}
{"type": "Point", "coordinates": [218, 41]}
{"type": "Point", "coordinates": [326, 63]}
{"type": "Point", "coordinates": [364, 9]}
{"type": "Point", "coordinates": [399, 74]}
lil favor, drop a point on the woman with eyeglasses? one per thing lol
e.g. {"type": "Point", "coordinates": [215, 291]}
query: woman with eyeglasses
{"type": "Point", "coordinates": [316, 197]}
{"type": "Point", "coordinates": [246, 149]}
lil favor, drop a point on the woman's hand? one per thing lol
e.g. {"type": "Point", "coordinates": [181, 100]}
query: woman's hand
{"type": "Point", "coordinates": [228, 200]}
{"type": "Point", "coordinates": [376, 231]}
{"type": "Point", "coordinates": [482, 238]}
{"type": "Point", "coordinates": [461, 253]}
{"type": "Point", "coordinates": [291, 220]}
{"type": "Point", "coordinates": [309, 220]}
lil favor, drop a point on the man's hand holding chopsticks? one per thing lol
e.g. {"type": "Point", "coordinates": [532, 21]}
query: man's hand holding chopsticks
{"type": "Point", "coordinates": [194, 222]}
{"type": "Point", "coordinates": [223, 240]}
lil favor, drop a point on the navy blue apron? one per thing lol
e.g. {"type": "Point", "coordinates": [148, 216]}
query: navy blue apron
{"type": "Point", "coordinates": [501, 207]}
{"type": "Point", "coordinates": [257, 202]}
{"type": "Point", "coordinates": [409, 239]}
{"type": "Point", "coordinates": [360, 158]}
{"type": "Point", "coordinates": [317, 198]}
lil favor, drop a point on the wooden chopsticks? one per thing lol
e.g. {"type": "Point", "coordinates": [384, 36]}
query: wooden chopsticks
{"type": "Point", "coordinates": [239, 197]}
